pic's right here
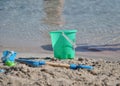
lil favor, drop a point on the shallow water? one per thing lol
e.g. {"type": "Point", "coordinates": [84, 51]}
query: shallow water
{"type": "Point", "coordinates": [25, 24]}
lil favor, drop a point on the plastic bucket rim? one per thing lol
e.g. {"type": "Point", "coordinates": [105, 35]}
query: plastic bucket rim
{"type": "Point", "coordinates": [65, 31]}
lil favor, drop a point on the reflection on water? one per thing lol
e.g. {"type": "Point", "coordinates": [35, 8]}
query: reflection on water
{"type": "Point", "coordinates": [53, 11]}
{"type": "Point", "coordinates": [97, 22]}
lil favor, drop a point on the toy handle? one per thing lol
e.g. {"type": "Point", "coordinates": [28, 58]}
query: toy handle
{"type": "Point", "coordinates": [85, 67]}
{"type": "Point", "coordinates": [69, 40]}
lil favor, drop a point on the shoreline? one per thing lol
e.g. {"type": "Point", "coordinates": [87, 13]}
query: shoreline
{"type": "Point", "coordinates": [39, 52]}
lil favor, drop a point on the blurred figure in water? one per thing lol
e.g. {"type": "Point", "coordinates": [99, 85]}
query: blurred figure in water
{"type": "Point", "coordinates": [53, 11]}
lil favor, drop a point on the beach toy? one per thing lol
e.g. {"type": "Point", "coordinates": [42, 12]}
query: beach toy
{"type": "Point", "coordinates": [10, 63]}
{"type": "Point", "coordinates": [63, 43]}
{"type": "Point", "coordinates": [9, 58]}
{"type": "Point", "coordinates": [40, 63]}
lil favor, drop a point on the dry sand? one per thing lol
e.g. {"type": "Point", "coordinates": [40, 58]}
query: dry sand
{"type": "Point", "coordinates": [105, 73]}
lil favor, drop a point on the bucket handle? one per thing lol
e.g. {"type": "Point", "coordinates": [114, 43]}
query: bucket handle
{"type": "Point", "coordinates": [70, 41]}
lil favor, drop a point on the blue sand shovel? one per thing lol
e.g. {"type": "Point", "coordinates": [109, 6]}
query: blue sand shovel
{"type": "Point", "coordinates": [40, 63]}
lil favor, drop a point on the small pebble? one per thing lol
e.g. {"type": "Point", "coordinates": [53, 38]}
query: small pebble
{"type": "Point", "coordinates": [2, 70]}
{"type": "Point", "coordinates": [118, 84]}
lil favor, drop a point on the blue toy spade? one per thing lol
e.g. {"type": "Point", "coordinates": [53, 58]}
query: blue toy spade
{"type": "Point", "coordinates": [40, 63]}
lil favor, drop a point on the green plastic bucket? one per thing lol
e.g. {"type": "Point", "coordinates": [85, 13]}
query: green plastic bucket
{"type": "Point", "coordinates": [63, 43]}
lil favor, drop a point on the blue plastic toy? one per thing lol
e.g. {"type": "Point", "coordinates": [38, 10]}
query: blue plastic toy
{"type": "Point", "coordinates": [9, 58]}
{"type": "Point", "coordinates": [40, 63]}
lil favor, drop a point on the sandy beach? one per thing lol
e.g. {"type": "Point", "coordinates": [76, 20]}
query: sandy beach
{"type": "Point", "coordinates": [25, 27]}
{"type": "Point", "coordinates": [105, 73]}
